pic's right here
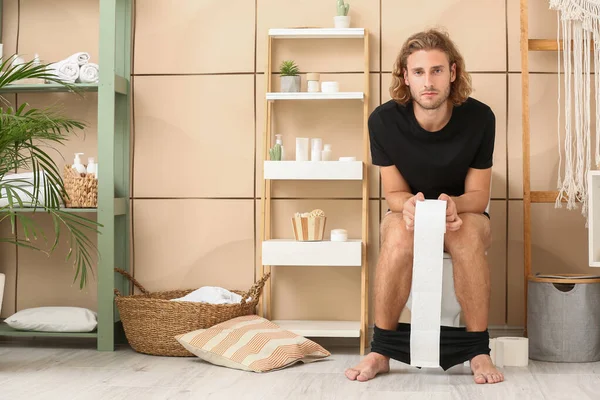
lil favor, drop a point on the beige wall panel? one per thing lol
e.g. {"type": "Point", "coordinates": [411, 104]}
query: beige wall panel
{"type": "Point", "coordinates": [10, 24]}
{"type": "Point", "coordinates": [337, 122]}
{"type": "Point", "coordinates": [496, 260]}
{"type": "Point", "coordinates": [308, 292]}
{"type": "Point", "coordinates": [316, 55]}
{"type": "Point", "coordinates": [187, 244]}
{"type": "Point", "coordinates": [83, 108]}
{"type": "Point", "coordinates": [8, 266]}
{"type": "Point", "coordinates": [490, 89]}
{"type": "Point", "coordinates": [48, 280]}
{"type": "Point", "coordinates": [194, 37]}
{"type": "Point", "coordinates": [56, 29]}
{"type": "Point", "coordinates": [559, 246]}
{"type": "Point", "coordinates": [515, 265]}
{"type": "Point", "coordinates": [465, 20]}
{"type": "Point", "coordinates": [542, 24]}
{"type": "Point", "coordinates": [544, 150]}
{"type": "Point", "coordinates": [198, 144]}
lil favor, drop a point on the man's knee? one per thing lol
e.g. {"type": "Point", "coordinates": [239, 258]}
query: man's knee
{"type": "Point", "coordinates": [396, 240]}
{"type": "Point", "coordinates": [473, 236]}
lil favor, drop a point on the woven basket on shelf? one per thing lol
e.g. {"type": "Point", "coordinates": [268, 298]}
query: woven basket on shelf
{"type": "Point", "coordinates": [82, 189]}
{"type": "Point", "coordinates": [151, 321]}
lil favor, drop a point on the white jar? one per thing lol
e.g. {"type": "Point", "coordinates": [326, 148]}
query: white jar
{"type": "Point", "coordinates": [312, 80]}
{"type": "Point", "coordinates": [339, 235]}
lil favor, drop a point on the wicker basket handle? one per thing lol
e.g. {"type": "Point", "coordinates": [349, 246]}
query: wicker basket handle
{"type": "Point", "coordinates": [255, 290]}
{"type": "Point", "coordinates": [132, 279]}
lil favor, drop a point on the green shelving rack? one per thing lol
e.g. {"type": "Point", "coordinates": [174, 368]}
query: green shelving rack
{"type": "Point", "coordinates": [113, 212]}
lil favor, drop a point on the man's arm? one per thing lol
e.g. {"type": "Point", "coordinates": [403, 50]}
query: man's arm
{"type": "Point", "coordinates": [395, 188]}
{"type": "Point", "coordinates": [477, 192]}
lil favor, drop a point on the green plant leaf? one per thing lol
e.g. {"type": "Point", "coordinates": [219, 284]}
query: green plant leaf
{"type": "Point", "coordinates": [27, 135]}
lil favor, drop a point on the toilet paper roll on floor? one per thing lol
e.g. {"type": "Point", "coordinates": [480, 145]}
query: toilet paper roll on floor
{"type": "Point", "coordinates": [510, 351]}
{"type": "Point", "coordinates": [428, 262]}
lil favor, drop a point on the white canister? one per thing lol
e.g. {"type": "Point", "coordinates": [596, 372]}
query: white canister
{"type": "Point", "coordinates": [326, 153]}
{"type": "Point", "coordinates": [330, 87]}
{"type": "Point", "coordinates": [302, 149]}
{"type": "Point", "coordinates": [312, 80]}
{"type": "Point", "coordinates": [316, 147]}
{"type": "Point", "coordinates": [339, 235]}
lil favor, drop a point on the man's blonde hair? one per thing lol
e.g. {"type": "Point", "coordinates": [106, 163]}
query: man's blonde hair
{"type": "Point", "coordinates": [431, 39]}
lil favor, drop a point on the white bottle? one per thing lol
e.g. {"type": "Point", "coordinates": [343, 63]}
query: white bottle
{"type": "Point", "coordinates": [91, 167]}
{"type": "Point", "coordinates": [326, 153]}
{"type": "Point", "coordinates": [279, 141]}
{"type": "Point", "coordinates": [316, 148]}
{"type": "Point", "coordinates": [77, 165]}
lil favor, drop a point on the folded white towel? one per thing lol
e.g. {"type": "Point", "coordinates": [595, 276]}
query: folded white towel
{"type": "Point", "coordinates": [88, 73]}
{"type": "Point", "coordinates": [80, 58]}
{"type": "Point", "coordinates": [65, 70]}
{"type": "Point", "coordinates": [212, 295]}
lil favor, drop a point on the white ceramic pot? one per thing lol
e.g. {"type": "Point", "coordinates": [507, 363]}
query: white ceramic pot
{"type": "Point", "coordinates": [341, 21]}
{"type": "Point", "coordinates": [290, 83]}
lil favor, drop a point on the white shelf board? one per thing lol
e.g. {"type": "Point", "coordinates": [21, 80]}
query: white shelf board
{"type": "Point", "coordinates": [321, 328]}
{"type": "Point", "coordinates": [323, 253]}
{"type": "Point", "coordinates": [594, 218]}
{"type": "Point", "coordinates": [314, 170]}
{"type": "Point", "coordinates": [317, 33]}
{"type": "Point", "coordinates": [315, 96]}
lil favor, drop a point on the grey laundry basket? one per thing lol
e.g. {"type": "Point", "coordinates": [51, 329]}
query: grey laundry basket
{"type": "Point", "coordinates": [563, 318]}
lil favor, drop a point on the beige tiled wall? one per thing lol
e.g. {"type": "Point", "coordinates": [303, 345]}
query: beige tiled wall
{"type": "Point", "coordinates": [198, 85]}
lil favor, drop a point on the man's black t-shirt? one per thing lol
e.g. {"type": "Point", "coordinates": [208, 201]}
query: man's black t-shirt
{"type": "Point", "coordinates": [433, 162]}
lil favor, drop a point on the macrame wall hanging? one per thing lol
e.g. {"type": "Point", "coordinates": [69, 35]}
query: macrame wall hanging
{"type": "Point", "coordinates": [579, 24]}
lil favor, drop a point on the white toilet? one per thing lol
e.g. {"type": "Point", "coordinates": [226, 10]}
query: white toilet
{"type": "Point", "coordinates": [450, 306]}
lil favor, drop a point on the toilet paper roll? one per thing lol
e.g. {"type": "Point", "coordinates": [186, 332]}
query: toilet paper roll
{"type": "Point", "coordinates": [511, 352]}
{"type": "Point", "coordinates": [426, 311]}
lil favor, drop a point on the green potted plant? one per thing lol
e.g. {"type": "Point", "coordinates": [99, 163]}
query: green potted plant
{"type": "Point", "coordinates": [342, 19]}
{"type": "Point", "coordinates": [290, 78]}
{"type": "Point", "coordinates": [26, 136]}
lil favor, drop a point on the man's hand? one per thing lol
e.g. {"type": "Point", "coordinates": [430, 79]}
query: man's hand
{"type": "Point", "coordinates": [453, 221]}
{"type": "Point", "coordinates": [408, 211]}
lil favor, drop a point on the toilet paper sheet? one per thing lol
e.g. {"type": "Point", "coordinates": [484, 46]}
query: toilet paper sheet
{"type": "Point", "coordinates": [426, 312]}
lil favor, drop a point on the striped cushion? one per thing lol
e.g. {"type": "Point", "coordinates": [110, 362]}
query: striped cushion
{"type": "Point", "coordinates": [251, 343]}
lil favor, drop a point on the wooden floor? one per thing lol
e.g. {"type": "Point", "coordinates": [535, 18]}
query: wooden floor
{"type": "Point", "coordinates": [34, 369]}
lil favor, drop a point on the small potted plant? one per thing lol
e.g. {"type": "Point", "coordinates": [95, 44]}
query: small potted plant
{"type": "Point", "coordinates": [290, 79]}
{"type": "Point", "coordinates": [342, 20]}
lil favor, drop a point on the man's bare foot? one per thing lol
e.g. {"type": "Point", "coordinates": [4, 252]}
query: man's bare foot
{"type": "Point", "coordinates": [484, 370]}
{"type": "Point", "coordinates": [371, 365]}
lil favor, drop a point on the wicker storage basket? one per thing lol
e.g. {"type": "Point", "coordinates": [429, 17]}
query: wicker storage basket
{"type": "Point", "coordinates": [151, 321]}
{"type": "Point", "coordinates": [82, 189]}
{"type": "Point", "coordinates": [308, 229]}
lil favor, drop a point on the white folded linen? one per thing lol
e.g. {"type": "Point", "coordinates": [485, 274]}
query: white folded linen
{"type": "Point", "coordinates": [80, 58]}
{"type": "Point", "coordinates": [88, 73]}
{"type": "Point", "coordinates": [212, 295]}
{"type": "Point", "coordinates": [65, 70]}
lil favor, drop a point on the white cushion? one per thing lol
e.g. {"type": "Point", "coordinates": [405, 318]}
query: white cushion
{"type": "Point", "coordinates": [54, 319]}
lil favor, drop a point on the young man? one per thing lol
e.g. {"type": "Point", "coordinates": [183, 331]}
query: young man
{"type": "Point", "coordinates": [433, 141]}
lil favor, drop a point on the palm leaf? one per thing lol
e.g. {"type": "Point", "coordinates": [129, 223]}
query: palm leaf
{"type": "Point", "coordinates": [26, 137]}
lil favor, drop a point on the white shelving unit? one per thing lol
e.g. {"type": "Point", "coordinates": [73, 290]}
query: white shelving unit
{"type": "Point", "coordinates": [594, 218]}
{"type": "Point", "coordinates": [289, 252]}
{"type": "Point", "coordinates": [317, 33]}
{"type": "Point", "coordinates": [315, 96]}
{"type": "Point", "coordinates": [322, 328]}
{"type": "Point", "coordinates": [323, 253]}
{"type": "Point", "coordinates": [313, 170]}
